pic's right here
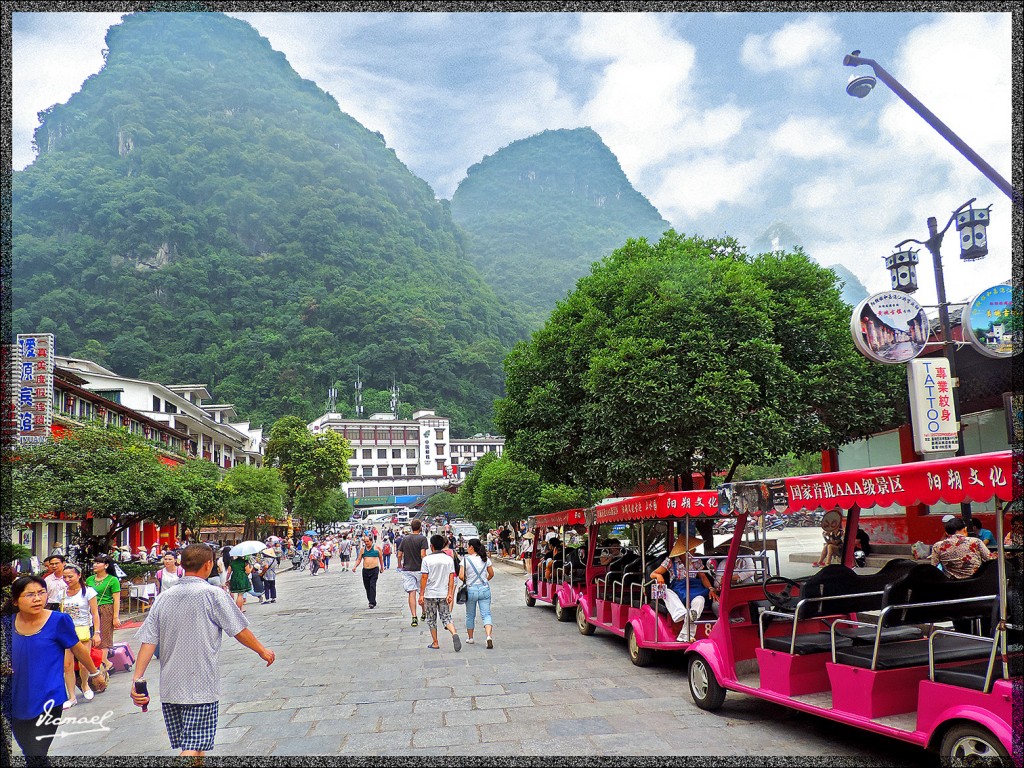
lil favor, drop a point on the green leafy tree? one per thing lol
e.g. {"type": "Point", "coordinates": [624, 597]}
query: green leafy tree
{"type": "Point", "coordinates": [321, 511]}
{"type": "Point", "coordinates": [506, 492]}
{"type": "Point", "coordinates": [111, 473]}
{"type": "Point", "coordinates": [201, 479]}
{"type": "Point", "coordinates": [310, 465]}
{"type": "Point", "coordinates": [689, 356]}
{"type": "Point", "coordinates": [557, 497]}
{"type": "Point", "coordinates": [250, 493]}
{"type": "Point", "coordinates": [442, 504]}
{"type": "Point", "coordinates": [466, 505]}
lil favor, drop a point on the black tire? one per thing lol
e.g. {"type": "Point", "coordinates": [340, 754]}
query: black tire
{"type": "Point", "coordinates": [530, 599]}
{"type": "Point", "coordinates": [641, 657]}
{"type": "Point", "coordinates": [704, 687]}
{"type": "Point", "coordinates": [969, 744]}
{"type": "Point", "coordinates": [584, 626]}
{"type": "Point", "coordinates": [560, 613]}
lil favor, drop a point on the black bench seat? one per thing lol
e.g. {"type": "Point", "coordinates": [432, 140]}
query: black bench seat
{"type": "Point", "coordinates": [806, 643]}
{"type": "Point", "coordinates": [913, 653]}
{"type": "Point", "coordinates": [969, 675]}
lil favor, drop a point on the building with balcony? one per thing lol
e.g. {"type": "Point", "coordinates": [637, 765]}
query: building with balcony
{"type": "Point", "coordinates": [393, 461]}
{"type": "Point", "coordinates": [211, 433]}
{"type": "Point", "coordinates": [466, 452]}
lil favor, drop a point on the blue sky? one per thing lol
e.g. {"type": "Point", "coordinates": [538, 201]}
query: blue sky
{"type": "Point", "coordinates": [727, 122]}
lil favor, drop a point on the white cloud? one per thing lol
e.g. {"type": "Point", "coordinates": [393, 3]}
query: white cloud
{"type": "Point", "coordinates": [794, 45]}
{"type": "Point", "coordinates": [807, 138]}
{"type": "Point", "coordinates": [817, 194]}
{"type": "Point", "coordinates": [958, 67]}
{"type": "Point", "coordinates": [689, 191]}
{"type": "Point", "coordinates": [643, 104]}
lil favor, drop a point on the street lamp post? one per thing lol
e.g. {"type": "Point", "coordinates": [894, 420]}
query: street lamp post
{"type": "Point", "coordinates": [973, 245]}
{"type": "Point", "coordinates": [861, 85]}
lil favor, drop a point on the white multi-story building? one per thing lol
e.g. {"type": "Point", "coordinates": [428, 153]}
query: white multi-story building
{"type": "Point", "coordinates": [466, 452]}
{"type": "Point", "coordinates": [392, 459]}
{"type": "Point", "coordinates": [211, 433]}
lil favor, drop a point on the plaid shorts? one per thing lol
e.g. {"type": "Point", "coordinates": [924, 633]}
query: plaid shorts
{"type": "Point", "coordinates": [191, 726]}
{"type": "Point", "coordinates": [435, 607]}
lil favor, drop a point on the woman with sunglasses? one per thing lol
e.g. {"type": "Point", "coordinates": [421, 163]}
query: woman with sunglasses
{"type": "Point", "coordinates": [80, 605]}
{"type": "Point", "coordinates": [39, 637]}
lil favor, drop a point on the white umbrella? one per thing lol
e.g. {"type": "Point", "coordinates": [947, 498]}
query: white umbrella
{"type": "Point", "coordinates": [247, 548]}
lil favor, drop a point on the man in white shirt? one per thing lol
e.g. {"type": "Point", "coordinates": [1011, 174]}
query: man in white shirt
{"type": "Point", "coordinates": [188, 623]}
{"type": "Point", "coordinates": [437, 590]}
{"type": "Point", "coordinates": [56, 587]}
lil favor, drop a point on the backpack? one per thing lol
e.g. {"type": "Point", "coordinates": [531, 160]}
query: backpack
{"type": "Point", "coordinates": [160, 577]}
{"type": "Point", "coordinates": [387, 548]}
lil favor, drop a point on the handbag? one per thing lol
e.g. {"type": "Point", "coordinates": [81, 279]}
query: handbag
{"type": "Point", "coordinates": [462, 596]}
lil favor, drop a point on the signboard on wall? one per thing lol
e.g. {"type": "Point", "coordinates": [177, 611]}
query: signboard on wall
{"type": "Point", "coordinates": [990, 323]}
{"type": "Point", "coordinates": [931, 406]}
{"type": "Point", "coordinates": [34, 388]}
{"type": "Point", "coordinates": [889, 327]}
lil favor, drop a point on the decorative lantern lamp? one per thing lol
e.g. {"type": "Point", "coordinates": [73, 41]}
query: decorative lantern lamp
{"type": "Point", "coordinates": [902, 266]}
{"type": "Point", "coordinates": [971, 224]}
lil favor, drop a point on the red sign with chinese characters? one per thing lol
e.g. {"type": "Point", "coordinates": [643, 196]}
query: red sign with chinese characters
{"type": "Point", "coordinates": [658, 505]}
{"type": "Point", "coordinates": [957, 480]}
{"type": "Point", "coordinates": [555, 519]}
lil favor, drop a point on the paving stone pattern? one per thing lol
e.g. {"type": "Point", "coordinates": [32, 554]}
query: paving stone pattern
{"type": "Point", "coordinates": [353, 681]}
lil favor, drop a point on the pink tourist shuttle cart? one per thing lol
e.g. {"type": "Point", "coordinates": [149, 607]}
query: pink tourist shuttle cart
{"type": "Point", "coordinates": [618, 596]}
{"type": "Point", "coordinates": [863, 649]}
{"type": "Point", "coordinates": [563, 590]}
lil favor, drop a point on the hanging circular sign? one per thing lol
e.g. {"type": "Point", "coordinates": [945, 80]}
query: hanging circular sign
{"type": "Point", "coordinates": [889, 327]}
{"type": "Point", "coordinates": [990, 323]}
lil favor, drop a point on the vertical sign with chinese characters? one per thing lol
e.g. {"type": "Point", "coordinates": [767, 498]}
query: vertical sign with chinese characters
{"type": "Point", "coordinates": [931, 406]}
{"type": "Point", "coordinates": [34, 387]}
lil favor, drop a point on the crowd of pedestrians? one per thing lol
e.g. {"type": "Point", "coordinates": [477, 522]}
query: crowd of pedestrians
{"type": "Point", "coordinates": [201, 592]}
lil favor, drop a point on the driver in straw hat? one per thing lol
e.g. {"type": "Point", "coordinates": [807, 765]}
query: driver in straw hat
{"type": "Point", "coordinates": [682, 568]}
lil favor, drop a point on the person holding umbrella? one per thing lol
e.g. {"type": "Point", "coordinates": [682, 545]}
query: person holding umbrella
{"type": "Point", "coordinates": [238, 569]}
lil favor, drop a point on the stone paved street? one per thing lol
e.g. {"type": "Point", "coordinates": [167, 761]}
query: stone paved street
{"type": "Point", "coordinates": [354, 681]}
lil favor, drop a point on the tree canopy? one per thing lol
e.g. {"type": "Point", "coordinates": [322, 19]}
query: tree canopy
{"type": "Point", "coordinates": [250, 493]}
{"type": "Point", "coordinates": [109, 473]}
{"type": "Point", "coordinates": [311, 466]}
{"type": "Point", "coordinates": [689, 355]}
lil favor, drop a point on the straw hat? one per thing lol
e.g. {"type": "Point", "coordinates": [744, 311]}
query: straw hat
{"type": "Point", "coordinates": [680, 546]}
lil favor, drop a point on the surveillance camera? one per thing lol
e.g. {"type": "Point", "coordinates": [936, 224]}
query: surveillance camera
{"type": "Point", "coordinates": [860, 85]}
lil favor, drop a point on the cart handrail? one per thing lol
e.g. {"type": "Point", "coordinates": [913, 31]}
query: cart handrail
{"type": "Point", "coordinates": [796, 613]}
{"type": "Point", "coordinates": [991, 659]}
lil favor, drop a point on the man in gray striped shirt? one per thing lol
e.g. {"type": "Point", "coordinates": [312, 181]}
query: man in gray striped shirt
{"type": "Point", "coordinates": [188, 623]}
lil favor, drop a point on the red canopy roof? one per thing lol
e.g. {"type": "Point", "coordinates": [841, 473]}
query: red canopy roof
{"type": "Point", "coordinates": [555, 519]}
{"type": "Point", "coordinates": [977, 478]}
{"type": "Point", "coordinates": [657, 505]}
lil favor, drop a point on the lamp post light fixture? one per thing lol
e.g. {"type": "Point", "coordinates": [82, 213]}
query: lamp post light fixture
{"type": "Point", "coordinates": [902, 266]}
{"type": "Point", "coordinates": [860, 86]}
{"type": "Point", "coordinates": [971, 225]}
{"type": "Point", "coordinates": [973, 246]}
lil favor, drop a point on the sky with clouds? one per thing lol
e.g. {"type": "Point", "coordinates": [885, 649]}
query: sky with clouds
{"type": "Point", "coordinates": [727, 122]}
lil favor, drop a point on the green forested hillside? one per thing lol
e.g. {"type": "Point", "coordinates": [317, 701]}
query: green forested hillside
{"type": "Point", "coordinates": [540, 211]}
{"type": "Point", "coordinates": [200, 213]}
